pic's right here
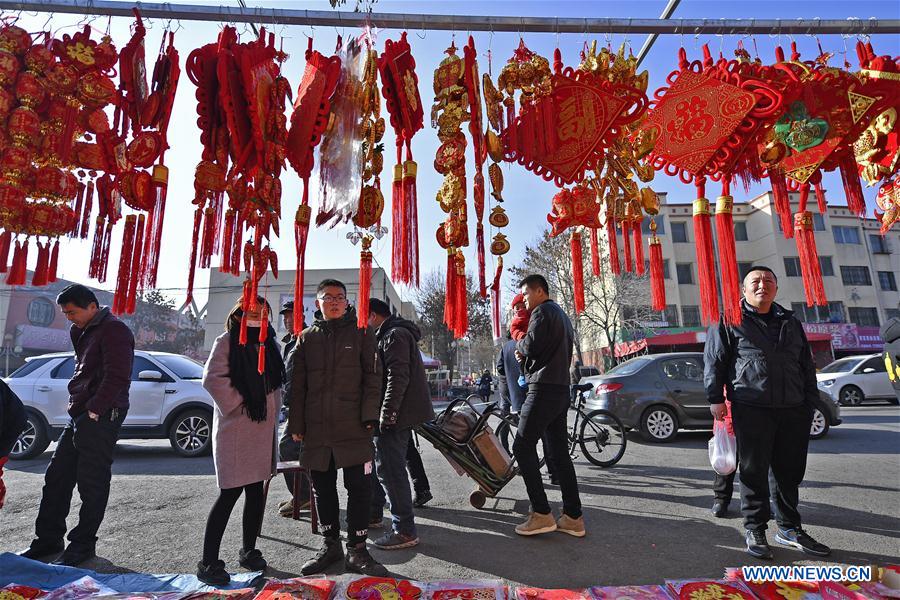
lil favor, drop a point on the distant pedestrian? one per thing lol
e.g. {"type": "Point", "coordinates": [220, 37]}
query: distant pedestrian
{"type": "Point", "coordinates": [98, 403]}
{"type": "Point", "coordinates": [485, 386]}
{"type": "Point", "coordinates": [405, 404]}
{"type": "Point", "coordinates": [245, 423]}
{"type": "Point", "coordinates": [335, 399]}
{"type": "Point", "coordinates": [288, 449]}
{"type": "Point", "coordinates": [765, 363]}
{"type": "Point", "coordinates": [547, 353]}
{"type": "Point", "coordinates": [12, 422]}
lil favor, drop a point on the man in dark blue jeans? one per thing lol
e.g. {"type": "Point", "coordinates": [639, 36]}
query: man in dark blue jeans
{"type": "Point", "coordinates": [547, 353]}
{"type": "Point", "coordinates": [98, 403]}
{"type": "Point", "coordinates": [406, 402]}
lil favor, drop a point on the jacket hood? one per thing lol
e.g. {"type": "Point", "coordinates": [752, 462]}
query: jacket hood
{"type": "Point", "coordinates": [393, 322]}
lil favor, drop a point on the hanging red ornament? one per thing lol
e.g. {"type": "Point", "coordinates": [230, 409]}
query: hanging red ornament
{"type": "Point", "coordinates": [657, 281]}
{"type": "Point", "coordinates": [575, 246]}
{"type": "Point", "coordinates": [731, 285]}
{"type": "Point", "coordinates": [706, 265]}
{"type": "Point", "coordinates": [810, 268]}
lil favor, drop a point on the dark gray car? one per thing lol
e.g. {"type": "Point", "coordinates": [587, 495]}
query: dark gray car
{"type": "Point", "coordinates": [659, 394]}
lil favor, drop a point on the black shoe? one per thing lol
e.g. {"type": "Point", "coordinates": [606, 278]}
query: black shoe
{"type": "Point", "coordinates": [330, 553]}
{"type": "Point", "coordinates": [422, 498]}
{"type": "Point", "coordinates": [39, 549]}
{"type": "Point", "coordinates": [358, 560]}
{"type": "Point", "coordinates": [720, 508]}
{"type": "Point", "coordinates": [756, 543]}
{"type": "Point", "coordinates": [72, 557]}
{"type": "Point", "coordinates": [213, 574]}
{"type": "Point", "coordinates": [797, 538]}
{"type": "Point", "coordinates": [252, 560]}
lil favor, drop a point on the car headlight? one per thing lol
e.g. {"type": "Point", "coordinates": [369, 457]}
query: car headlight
{"type": "Point", "coordinates": [827, 382]}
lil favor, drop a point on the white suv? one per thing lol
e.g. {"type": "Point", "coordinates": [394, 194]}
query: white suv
{"type": "Point", "coordinates": [167, 400]}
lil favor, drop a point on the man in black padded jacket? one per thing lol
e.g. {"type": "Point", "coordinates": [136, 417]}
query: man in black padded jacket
{"type": "Point", "coordinates": [766, 365]}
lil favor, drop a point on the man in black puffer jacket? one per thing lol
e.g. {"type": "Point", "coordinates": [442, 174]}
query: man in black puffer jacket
{"type": "Point", "coordinates": [766, 366]}
{"type": "Point", "coordinates": [547, 353]}
{"type": "Point", "coordinates": [406, 402]}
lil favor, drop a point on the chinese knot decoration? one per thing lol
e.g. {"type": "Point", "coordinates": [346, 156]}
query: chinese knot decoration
{"type": "Point", "coordinates": [575, 208]}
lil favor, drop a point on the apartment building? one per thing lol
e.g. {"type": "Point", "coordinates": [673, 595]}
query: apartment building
{"type": "Point", "coordinates": [860, 268]}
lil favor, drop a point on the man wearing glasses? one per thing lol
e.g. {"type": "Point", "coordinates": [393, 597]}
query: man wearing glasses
{"type": "Point", "coordinates": [334, 407]}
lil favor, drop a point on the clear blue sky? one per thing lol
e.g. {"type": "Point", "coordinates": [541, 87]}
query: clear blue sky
{"type": "Point", "coordinates": [527, 197]}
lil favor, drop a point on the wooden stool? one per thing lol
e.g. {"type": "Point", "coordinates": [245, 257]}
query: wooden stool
{"type": "Point", "coordinates": [294, 467]}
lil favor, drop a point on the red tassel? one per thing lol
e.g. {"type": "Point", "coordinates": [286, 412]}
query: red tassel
{"type": "Point", "coordinates": [263, 336]}
{"type": "Point", "coordinates": [242, 336]}
{"type": "Point", "coordinates": [810, 269]}
{"type": "Point", "coordinates": [595, 253]}
{"type": "Point", "coordinates": [816, 180]}
{"type": "Point", "coordinates": [577, 270]}
{"type": "Point", "coordinates": [104, 253]}
{"type": "Point", "coordinates": [227, 240]}
{"type": "Point", "coordinates": [152, 249]}
{"type": "Point", "coordinates": [512, 140]}
{"type": "Point", "coordinates": [120, 298]}
{"type": "Point", "coordinates": [86, 211]}
{"type": "Point", "coordinates": [5, 243]}
{"type": "Point", "coordinates": [365, 285]}
{"type": "Point", "coordinates": [626, 238]}
{"type": "Point", "coordinates": [731, 285]}
{"type": "Point", "coordinates": [397, 222]}
{"type": "Point", "coordinates": [136, 263]}
{"type": "Point", "coordinates": [479, 241]}
{"type": "Point", "coordinates": [411, 226]}
{"type": "Point", "coordinates": [54, 263]}
{"type": "Point", "coordinates": [638, 241]}
{"type": "Point", "coordinates": [208, 243]}
{"type": "Point", "coordinates": [782, 202]}
{"type": "Point", "coordinates": [856, 202]}
{"type": "Point", "coordinates": [613, 243]}
{"type": "Point", "coordinates": [17, 271]}
{"type": "Point", "coordinates": [79, 205]}
{"type": "Point", "coordinates": [95, 269]}
{"type": "Point", "coordinates": [198, 215]}
{"type": "Point", "coordinates": [449, 309]}
{"type": "Point", "coordinates": [496, 301]}
{"type": "Point", "coordinates": [706, 265]}
{"type": "Point", "coordinates": [461, 319]}
{"type": "Point", "coordinates": [657, 283]}
{"type": "Point", "coordinates": [39, 278]}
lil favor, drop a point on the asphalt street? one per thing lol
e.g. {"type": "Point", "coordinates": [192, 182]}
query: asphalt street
{"type": "Point", "coordinates": [648, 518]}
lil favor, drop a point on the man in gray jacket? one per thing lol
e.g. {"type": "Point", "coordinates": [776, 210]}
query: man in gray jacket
{"type": "Point", "coordinates": [547, 353]}
{"type": "Point", "coordinates": [406, 402]}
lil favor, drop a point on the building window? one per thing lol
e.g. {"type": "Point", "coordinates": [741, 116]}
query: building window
{"type": "Point", "coordinates": [679, 231]}
{"type": "Point", "coordinates": [671, 315]}
{"type": "Point", "coordinates": [666, 274]}
{"type": "Point", "coordinates": [660, 225]}
{"type": "Point", "coordinates": [892, 313]}
{"type": "Point", "coordinates": [740, 231]}
{"type": "Point", "coordinates": [864, 316]}
{"type": "Point", "coordinates": [41, 312]}
{"type": "Point", "coordinates": [743, 269]}
{"type": "Point", "coordinates": [856, 276]}
{"type": "Point", "coordinates": [887, 281]}
{"type": "Point", "coordinates": [684, 272]}
{"type": "Point", "coordinates": [792, 266]}
{"type": "Point", "coordinates": [833, 313]}
{"type": "Point", "coordinates": [818, 222]}
{"type": "Point", "coordinates": [878, 244]}
{"type": "Point", "coordinates": [826, 266]}
{"type": "Point", "coordinates": [690, 316]}
{"type": "Point", "coordinates": [845, 235]}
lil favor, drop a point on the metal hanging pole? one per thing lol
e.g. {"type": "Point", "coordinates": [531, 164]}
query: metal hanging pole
{"type": "Point", "coordinates": [651, 39]}
{"type": "Point", "coordinates": [398, 21]}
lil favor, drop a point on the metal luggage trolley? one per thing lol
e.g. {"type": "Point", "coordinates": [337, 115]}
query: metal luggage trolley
{"type": "Point", "coordinates": [462, 434]}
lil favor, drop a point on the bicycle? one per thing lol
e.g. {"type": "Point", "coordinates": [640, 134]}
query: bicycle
{"type": "Point", "coordinates": [599, 433]}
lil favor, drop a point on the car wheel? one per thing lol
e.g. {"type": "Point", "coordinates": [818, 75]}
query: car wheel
{"type": "Point", "coordinates": [33, 440]}
{"type": "Point", "coordinates": [659, 424]}
{"type": "Point", "coordinates": [819, 427]}
{"type": "Point", "coordinates": [851, 396]}
{"type": "Point", "coordinates": [191, 433]}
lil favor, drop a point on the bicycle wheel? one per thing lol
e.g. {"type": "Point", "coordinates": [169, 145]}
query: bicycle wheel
{"type": "Point", "coordinates": [602, 438]}
{"type": "Point", "coordinates": [506, 433]}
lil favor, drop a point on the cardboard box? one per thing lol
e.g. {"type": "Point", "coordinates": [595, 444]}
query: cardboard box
{"type": "Point", "coordinates": [493, 453]}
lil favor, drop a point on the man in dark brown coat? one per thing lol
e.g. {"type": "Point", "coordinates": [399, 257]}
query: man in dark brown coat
{"type": "Point", "coordinates": [335, 396]}
{"type": "Point", "coordinates": [98, 403]}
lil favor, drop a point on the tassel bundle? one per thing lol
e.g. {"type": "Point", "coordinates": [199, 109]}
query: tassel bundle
{"type": "Point", "coordinates": [782, 201]}
{"type": "Point", "coordinates": [810, 268]}
{"type": "Point", "coordinates": [54, 263]}
{"type": "Point", "coordinates": [706, 266]}
{"type": "Point", "coordinates": [577, 270]}
{"type": "Point", "coordinates": [657, 281]}
{"type": "Point", "coordinates": [816, 180]}
{"type": "Point", "coordinates": [18, 269]}
{"type": "Point", "coordinates": [301, 231]}
{"type": "Point", "coordinates": [496, 300]}
{"type": "Point", "coordinates": [638, 241]}
{"type": "Point", "coordinates": [856, 202]}
{"type": "Point", "coordinates": [41, 270]}
{"type": "Point", "coordinates": [626, 239]}
{"type": "Point", "coordinates": [120, 297]}
{"type": "Point", "coordinates": [405, 223]}
{"type": "Point", "coordinates": [595, 253]}
{"type": "Point", "coordinates": [461, 317]}
{"type": "Point", "coordinates": [731, 285]}
{"type": "Point", "coordinates": [5, 244]}
{"type": "Point", "coordinates": [263, 336]}
{"type": "Point", "coordinates": [613, 243]}
{"type": "Point", "coordinates": [365, 284]}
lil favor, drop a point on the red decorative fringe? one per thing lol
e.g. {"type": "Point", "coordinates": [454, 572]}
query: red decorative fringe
{"type": "Point", "coordinates": [5, 243]}
{"type": "Point", "coordinates": [479, 242]}
{"type": "Point", "coordinates": [39, 277]}
{"type": "Point", "coordinates": [782, 201]}
{"type": "Point", "coordinates": [79, 205]}
{"type": "Point", "coordinates": [512, 137]}
{"type": "Point", "coordinates": [706, 265]}
{"type": "Point", "coordinates": [120, 298]}
{"type": "Point", "coordinates": [816, 180]}
{"type": "Point", "coordinates": [657, 283]}
{"type": "Point", "coordinates": [198, 216]}
{"type": "Point", "coordinates": [228, 240]}
{"type": "Point", "coordinates": [301, 231]}
{"type": "Point", "coordinates": [638, 241]}
{"type": "Point", "coordinates": [613, 244]}
{"type": "Point", "coordinates": [263, 336]}
{"type": "Point", "coordinates": [137, 262]}
{"type": "Point", "coordinates": [95, 268]}
{"type": "Point", "coordinates": [813, 285]}
{"type": "Point", "coordinates": [731, 285]}
{"type": "Point", "coordinates": [104, 253]}
{"type": "Point", "coordinates": [411, 206]}
{"type": "Point", "coordinates": [86, 210]}
{"type": "Point", "coordinates": [153, 244]}
{"type": "Point", "coordinates": [17, 271]}
{"type": "Point", "coordinates": [577, 270]}
{"type": "Point", "coordinates": [54, 263]}
{"type": "Point", "coordinates": [365, 287]}
{"type": "Point", "coordinates": [856, 202]}
{"type": "Point", "coordinates": [595, 253]}
{"type": "Point", "coordinates": [449, 310]}
{"type": "Point", "coordinates": [461, 318]}
{"type": "Point", "coordinates": [397, 224]}
{"type": "Point", "coordinates": [496, 300]}
{"type": "Point", "coordinates": [626, 238]}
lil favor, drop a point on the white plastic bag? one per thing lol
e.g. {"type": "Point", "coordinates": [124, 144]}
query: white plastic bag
{"type": "Point", "coordinates": [722, 450]}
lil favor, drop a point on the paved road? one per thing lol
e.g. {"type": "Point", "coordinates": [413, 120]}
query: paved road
{"type": "Point", "coordinates": [648, 518]}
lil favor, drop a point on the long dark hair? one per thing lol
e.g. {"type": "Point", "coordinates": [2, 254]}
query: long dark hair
{"type": "Point", "coordinates": [243, 361]}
